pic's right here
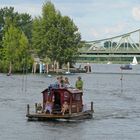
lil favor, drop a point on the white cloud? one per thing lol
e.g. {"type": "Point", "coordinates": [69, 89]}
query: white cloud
{"type": "Point", "coordinates": [33, 9]}
{"type": "Point", "coordinates": [136, 13]}
{"type": "Point", "coordinates": [115, 29]}
{"type": "Point", "coordinates": [95, 33]}
{"type": "Point", "coordinates": [107, 32]}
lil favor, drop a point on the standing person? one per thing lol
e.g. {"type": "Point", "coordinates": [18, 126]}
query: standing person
{"type": "Point", "coordinates": [62, 84]}
{"type": "Point", "coordinates": [79, 83]}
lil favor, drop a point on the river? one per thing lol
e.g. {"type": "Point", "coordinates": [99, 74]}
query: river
{"type": "Point", "coordinates": [116, 105]}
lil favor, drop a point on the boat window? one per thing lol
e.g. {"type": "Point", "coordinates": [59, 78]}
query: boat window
{"type": "Point", "coordinates": [73, 97]}
{"type": "Point", "coordinates": [66, 95]}
{"type": "Point", "coordinates": [76, 97]}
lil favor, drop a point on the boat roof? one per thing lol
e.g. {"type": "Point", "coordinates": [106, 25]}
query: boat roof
{"type": "Point", "coordinates": [70, 90]}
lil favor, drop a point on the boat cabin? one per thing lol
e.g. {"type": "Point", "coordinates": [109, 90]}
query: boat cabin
{"type": "Point", "coordinates": [60, 103]}
{"type": "Point", "coordinates": [60, 95]}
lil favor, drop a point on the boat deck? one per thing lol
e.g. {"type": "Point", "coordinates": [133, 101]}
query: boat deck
{"type": "Point", "coordinates": [43, 116]}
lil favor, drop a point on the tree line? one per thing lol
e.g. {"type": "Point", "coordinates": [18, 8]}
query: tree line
{"type": "Point", "coordinates": [51, 36]}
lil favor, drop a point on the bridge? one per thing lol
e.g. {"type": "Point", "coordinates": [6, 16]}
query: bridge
{"type": "Point", "coordinates": [121, 48]}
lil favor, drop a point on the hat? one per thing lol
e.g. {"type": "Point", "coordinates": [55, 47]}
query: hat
{"type": "Point", "coordinates": [79, 77]}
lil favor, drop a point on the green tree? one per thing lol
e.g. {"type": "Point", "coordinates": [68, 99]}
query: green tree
{"type": "Point", "coordinates": [24, 57]}
{"type": "Point", "coordinates": [11, 43]}
{"type": "Point", "coordinates": [24, 22]}
{"type": "Point", "coordinates": [15, 49]}
{"type": "Point", "coordinates": [9, 17]}
{"type": "Point", "coordinates": [6, 15]}
{"type": "Point", "coordinates": [56, 36]}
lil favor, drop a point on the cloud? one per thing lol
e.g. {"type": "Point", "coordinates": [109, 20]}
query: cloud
{"type": "Point", "coordinates": [115, 29]}
{"type": "Point", "coordinates": [33, 9]}
{"type": "Point", "coordinates": [136, 13]}
{"type": "Point", "coordinates": [95, 33]}
{"type": "Point", "coordinates": [107, 32]}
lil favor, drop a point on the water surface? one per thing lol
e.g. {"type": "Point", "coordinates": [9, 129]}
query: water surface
{"type": "Point", "coordinates": [116, 105]}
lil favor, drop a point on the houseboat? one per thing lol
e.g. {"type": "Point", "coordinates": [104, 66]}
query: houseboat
{"type": "Point", "coordinates": [75, 110]}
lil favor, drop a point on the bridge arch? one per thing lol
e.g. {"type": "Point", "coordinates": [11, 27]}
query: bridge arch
{"type": "Point", "coordinates": [126, 45]}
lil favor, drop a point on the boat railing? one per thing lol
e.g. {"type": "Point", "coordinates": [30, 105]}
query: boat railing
{"type": "Point", "coordinates": [31, 109]}
{"type": "Point", "coordinates": [88, 106]}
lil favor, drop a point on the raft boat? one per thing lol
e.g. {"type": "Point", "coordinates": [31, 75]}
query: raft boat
{"type": "Point", "coordinates": [57, 96]}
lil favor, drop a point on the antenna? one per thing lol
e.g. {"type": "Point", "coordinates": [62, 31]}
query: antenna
{"type": "Point", "coordinates": [121, 78]}
{"type": "Point", "coordinates": [121, 81]}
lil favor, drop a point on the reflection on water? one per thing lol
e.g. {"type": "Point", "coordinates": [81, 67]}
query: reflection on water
{"type": "Point", "coordinates": [116, 105]}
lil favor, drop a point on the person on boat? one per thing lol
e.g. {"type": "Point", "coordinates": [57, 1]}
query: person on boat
{"type": "Point", "coordinates": [62, 82]}
{"type": "Point", "coordinates": [57, 83]}
{"type": "Point", "coordinates": [66, 82]}
{"type": "Point", "coordinates": [79, 83]}
{"type": "Point", "coordinates": [58, 80]}
{"type": "Point", "coordinates": [39, 108]}
{"type": "Point", "coordinates": [65, 107]}
{"type": "Point", "coordinates": [48, 107]}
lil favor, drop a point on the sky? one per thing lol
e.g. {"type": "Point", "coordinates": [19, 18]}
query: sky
{"type": "Point", "coordinates": [95, 19]}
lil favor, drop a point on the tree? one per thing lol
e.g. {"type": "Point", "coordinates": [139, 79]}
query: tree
{"type": "Point", "coordinates": [15, 49]}
{"type": "Point", "coordinates": [11, 43]}
{"type": "Point", "coordinates": [56, 36]}
{"type": "Point", "coordinates": [6, 15]}
{"type": "Point", "coordinates": [9, 17]}
{"type": "Point", "coordinates": [25, 24]}
{"type": "Point", "coordinates": [24, 56]}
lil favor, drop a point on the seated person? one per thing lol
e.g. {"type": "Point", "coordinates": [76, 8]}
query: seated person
{"type": "Point", "coordinates": [66, 82]}
{"type": "Point", "coordinates": [39, 108]}
{"type": "Point", "coordinates": [48, 107]}
{"type": "Point", "coordinates": [65, 107]}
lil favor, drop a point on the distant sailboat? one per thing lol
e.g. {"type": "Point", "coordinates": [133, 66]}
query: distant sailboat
{"type": "Point", "coordinates": [135, 62]}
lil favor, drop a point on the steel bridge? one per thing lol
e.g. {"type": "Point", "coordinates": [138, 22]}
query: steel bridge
{"type": "Point", "coordinates": [124, 46]}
